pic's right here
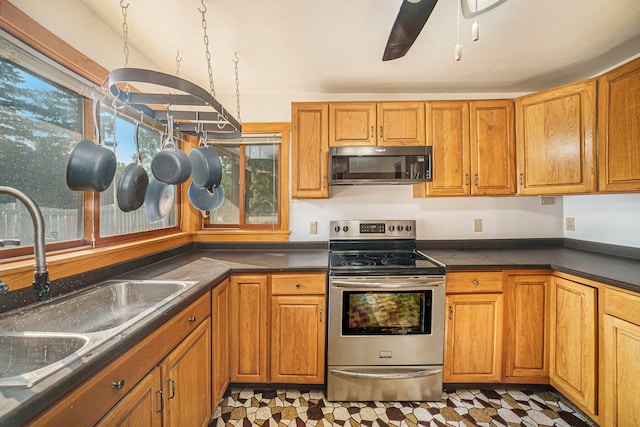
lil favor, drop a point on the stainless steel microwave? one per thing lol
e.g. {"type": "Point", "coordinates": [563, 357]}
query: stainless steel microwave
{"type": "Point", "coordinates": [380, 165]}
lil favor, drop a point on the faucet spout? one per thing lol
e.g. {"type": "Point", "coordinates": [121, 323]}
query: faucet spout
{"type": "Point", "coordinates": [41, 277]}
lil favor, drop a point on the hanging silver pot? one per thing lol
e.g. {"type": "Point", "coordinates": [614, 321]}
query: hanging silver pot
{"type": "Point", "coordinates": [158, 200]}
{"type": "Point", "coordinates": [91, 167]}
{"type": "Point", "coordinates": [133, 182]}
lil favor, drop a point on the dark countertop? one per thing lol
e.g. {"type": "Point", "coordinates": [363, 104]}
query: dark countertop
{"type": "Point", "coordinates": [608, 269]}
{"type": "Point", "coordinates": [210, 266]}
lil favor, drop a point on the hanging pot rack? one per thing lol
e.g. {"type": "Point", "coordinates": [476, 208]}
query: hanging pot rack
{"type": "Point", "coordinates": [205, 112]}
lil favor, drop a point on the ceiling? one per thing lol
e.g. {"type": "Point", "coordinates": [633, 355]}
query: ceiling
{"type": "Point", "coordinates": [336, 46]}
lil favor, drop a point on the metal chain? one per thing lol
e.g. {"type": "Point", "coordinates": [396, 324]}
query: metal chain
{"type": "Point", "coordinates": [178, 61]}
{"type": "Point", "coordinates": [125, 32]}
{"type": "Point", "coordinates": [206, 45]}
{"type": "Point", "coordinates": [237, 85]}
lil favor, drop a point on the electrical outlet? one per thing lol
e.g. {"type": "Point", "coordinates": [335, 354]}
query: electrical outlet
{"type": "Point", "coordinates": [313, 227]}
{"type": "Point", "coordinates": [547, 201]}
{"type": "Point", "coordinates": [477, 225]}
{"type": "Point", "coordinates": [570, 223]}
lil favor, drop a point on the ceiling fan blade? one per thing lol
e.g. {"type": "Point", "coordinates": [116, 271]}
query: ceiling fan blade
{"type": "Point", "coordinates": [409, 22]}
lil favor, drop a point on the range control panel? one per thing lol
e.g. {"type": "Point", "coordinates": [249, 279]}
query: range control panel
{"type": "Point", "coordinates": [373, 229]}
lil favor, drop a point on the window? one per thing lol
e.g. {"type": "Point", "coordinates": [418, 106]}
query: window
{"type": "Point", "coordinates": [40, 123]}
{"type": "Point", "coordinates": [42, 117]}
{"type": "Point", "coordinates": [251, 183]}
{"type": "Point", "coordinates": [113, 221]}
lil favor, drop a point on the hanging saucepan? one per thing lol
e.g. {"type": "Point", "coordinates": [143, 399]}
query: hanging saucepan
{"type": "Point", "coordinates": [133, 182]}
{"type": "Point", "coordinates": [219, 197]}
{"type": "Point", "coordinates": [201, 198]}
{"type": "Point", "coordinates": [171, 165]}
{"type": "Point", "coordinates": [206, 169]}
{"type": "Point", "coordinates": [158, 200]}
{"type": "Point", "coordinates": [91, 167]}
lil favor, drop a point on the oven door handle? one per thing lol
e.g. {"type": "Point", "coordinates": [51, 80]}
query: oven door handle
{"type": "Point", "coordinates": [396, 376]}
{"type": "Point", "coordinates": [405, 283]}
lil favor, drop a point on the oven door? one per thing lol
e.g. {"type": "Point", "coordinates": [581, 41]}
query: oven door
{"type": "Point", "coordinates": [378, 320]}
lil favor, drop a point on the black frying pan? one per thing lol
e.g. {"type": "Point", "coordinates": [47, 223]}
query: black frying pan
{"type": "Point", "coordinates": [133, 182]}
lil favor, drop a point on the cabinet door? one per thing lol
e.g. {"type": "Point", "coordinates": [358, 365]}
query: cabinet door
{"type": "Point", "coordinates": [220, 368]}
{"type": "Point", "coordinates": [309, 150]}
{"type": "Point", "coordinates": [619, 128]}
{"type": "Point", "coordinates": [526, 328]}
{"type": "Point", "coordinates": [448, 133]}
{"type": "Point", "coordinates": [141, 407]}
{"type": "Point", "coordinates": [473, 346]}
{"type": "Point", "coordinates": [492, 147]}
{"type": "Point", "coordinates": [298, 339]}
{"type": "Point", "coordinates": [401, 123]}
{"type": "Point", "coordinates": [555, 132]}
{"type": "Point", "coordinates": [352, 124]}
{"type": "Point", "coordinates": [249, 328]}
{"type": "Point", "coordinates": [186, 380]}
{"type": "Point", "coordinates": [621, 399]}
{"type": "Point", "coordinates": [574, 342]}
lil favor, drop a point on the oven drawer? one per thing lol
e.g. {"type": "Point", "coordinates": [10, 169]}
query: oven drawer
{"type": "Point", "coordinates": [389, 383]}
{"type": "Point", "coordinates": [474, 281]}
{"type": "Point", "coordinates": [299, 284]}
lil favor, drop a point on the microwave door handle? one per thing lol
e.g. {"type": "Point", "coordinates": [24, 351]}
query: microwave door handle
{"type": "Point", "coordinates": [394, 376]}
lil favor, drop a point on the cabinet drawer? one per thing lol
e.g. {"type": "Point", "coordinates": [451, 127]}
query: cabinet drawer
{"type": "Point", "coordinates": [623, 305]}
{"type": "Point", "coordinates": [474, 281]}
{"type": "Point", "coordinates": [295, 284]}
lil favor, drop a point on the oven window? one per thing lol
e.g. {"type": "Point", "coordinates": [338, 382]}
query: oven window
{"type": "Point", "coordinates": [386, 313]}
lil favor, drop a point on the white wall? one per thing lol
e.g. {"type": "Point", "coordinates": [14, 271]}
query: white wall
{"type": "Point", "coordinates": [605, 218]}
{"type": "Point", "coordinates": [437, 218]}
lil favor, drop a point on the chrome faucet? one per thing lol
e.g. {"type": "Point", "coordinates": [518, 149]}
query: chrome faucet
{"type": "Point", "coordinates": [41, 275]}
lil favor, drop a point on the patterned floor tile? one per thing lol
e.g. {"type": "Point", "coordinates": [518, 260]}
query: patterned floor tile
{"type": "Point", "coordinates": [461, 408]}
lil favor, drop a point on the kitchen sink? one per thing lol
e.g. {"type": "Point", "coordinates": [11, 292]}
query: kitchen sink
{"type": "Point", "coordinates": [28, 356]}
{"type": "Point", "coordinates": [39, 340]}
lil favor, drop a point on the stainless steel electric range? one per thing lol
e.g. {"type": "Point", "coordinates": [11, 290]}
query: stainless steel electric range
{"type": "Point", "coordinates": [386, 314]}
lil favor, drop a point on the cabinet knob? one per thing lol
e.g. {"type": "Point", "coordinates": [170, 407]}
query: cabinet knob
{"type": "Point", "coordinates": [117, 384]}
{"type": "Point", "coordinates": [475, 282]}
{"type": "Point", "coordinates": [298, 285]}
{"type": "Point", "coordinates": [191, 319]}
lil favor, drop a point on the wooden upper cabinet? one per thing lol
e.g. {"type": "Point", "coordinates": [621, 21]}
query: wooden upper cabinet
{"type": "Point", "coordinates": [310, 150]}
{"type": "Point", "coordinates": [493, 147]}
{"type": "Point", "coordinates": [448, 134]}
{"type": "Point", "coordinates": [555, 131]}
{"type": "Point", "coordinates": [352, 124]}
{"type": "Point", "coordinates": [401, 123]}
{"type": "Point", "coordinates": [397, 123]}
{"type": "Point", "coordinates": [619, 129]}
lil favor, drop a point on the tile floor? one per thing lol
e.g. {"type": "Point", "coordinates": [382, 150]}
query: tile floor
{"type": "Point", "coordinates": [468, 407]}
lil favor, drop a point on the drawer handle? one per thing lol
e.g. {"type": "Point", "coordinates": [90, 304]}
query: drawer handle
{"type": "Point", "coordinates": [475, 282]}
{"type": "Point", "coordinates": [450, 313]}
{"type": "Point", "coordinates": [117, 385]}
{"type": "Point", "coordinates": [191, 319]}
{"type": "Point", "coordinates": [298, 285]}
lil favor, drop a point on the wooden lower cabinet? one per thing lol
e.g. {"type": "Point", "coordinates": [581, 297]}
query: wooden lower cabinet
{"type": "Point", "coordinates": [473, 343]}
{"type": "Point", "coordinates": [249, 328]}
{"type": "Point", "coordinates": [141, 407]}
{"type": "Point", "coordinates": [620, 400]}
{"type": "Point", "coordinates": [574, 342]}
{"type": "Point", "coordinates": [298, 339]}
{"type": "Point", "coordinates": [220, 367]}
{"type": "Point", "coordinates": [526, 328]}
{"type": "Point", "coordinates": [186, 380]}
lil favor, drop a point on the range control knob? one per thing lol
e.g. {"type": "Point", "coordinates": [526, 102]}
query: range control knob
{"type": "Point", "coordinates": [336, 228]}
{"type": "Point", "coordinates": [391, 228]}
{"type": "Point", "coordinates": [408, 228]}
{"type": "Point", "coordinates": [400, 228]}
{"type": "Point", "coordinates": [345, 228]}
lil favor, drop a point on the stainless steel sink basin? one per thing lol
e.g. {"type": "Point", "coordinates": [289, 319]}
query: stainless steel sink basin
{"type": "Point", "coordinates": [28, 356]}
{"type": "Point", "coordinates": [106, 306]}
{"type": "Point", "coordinates": [39, 340]}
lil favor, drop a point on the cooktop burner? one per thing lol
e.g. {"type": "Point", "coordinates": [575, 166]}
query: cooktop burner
{"type": "Point", "coordinates": [377, 248]}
